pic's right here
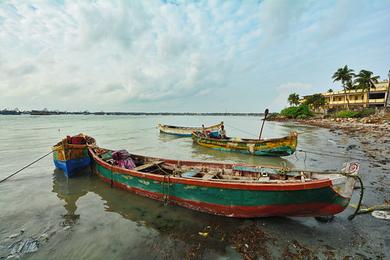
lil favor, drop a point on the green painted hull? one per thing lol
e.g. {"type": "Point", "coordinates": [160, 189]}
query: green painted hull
{"type": "Point", "coordinates": [273, 147]}
{"type": "Point", "coordinates": [233, 202]}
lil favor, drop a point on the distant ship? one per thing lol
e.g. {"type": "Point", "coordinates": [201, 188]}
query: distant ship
{"type": "Point", "coordinates": [9, 112]}
{"type": "Point", "coordinates": [41, 112]}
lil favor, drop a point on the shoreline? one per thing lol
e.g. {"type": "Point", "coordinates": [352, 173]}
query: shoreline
{"type": "Point", "coordinates": [372, 133]}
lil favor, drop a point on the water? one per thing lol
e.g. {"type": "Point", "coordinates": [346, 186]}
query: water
{"type": "Point", "coordinates": [83, 218]}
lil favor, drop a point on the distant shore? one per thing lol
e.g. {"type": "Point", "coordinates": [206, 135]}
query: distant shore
{"type": "Point", "coordinates": [46, 113]}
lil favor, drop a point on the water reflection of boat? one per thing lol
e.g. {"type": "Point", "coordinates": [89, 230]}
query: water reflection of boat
{"type": "Point", "coordinates": [70, 190]}
{"type": "Point", "coordinates": [150, 213]}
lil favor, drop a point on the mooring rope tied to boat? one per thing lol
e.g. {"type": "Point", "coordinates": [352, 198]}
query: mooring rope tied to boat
{"type": "Point", "coordinates": [365, 209]}
{"type": "Point", "coordinates": [25, 167]}
{"type": "Point", "coordinates": [165, 194]}
{"type": "Point", "coordinates": [333, 155]}
{"type": "Point", "coordinates": [352, 216]}
{"type": "Point", "coordinates": [243, 131]}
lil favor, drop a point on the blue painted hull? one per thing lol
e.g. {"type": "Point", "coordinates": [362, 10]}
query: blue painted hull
{"type": "Point", "coordinates": [71, 167]}
{"type": "Point", "coordinates": [175, 134]}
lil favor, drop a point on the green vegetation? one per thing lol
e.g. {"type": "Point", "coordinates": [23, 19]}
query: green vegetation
{"type": "Point", "coordinates": [293, 99]}
{"type": "Point", "coordinates": [353, 114]}
{"type": "Point", "coordinates": [365, 80]}
{"type": "Point", "coordinates": [346, 114]}
{"type": "Point", "coordinates": [299, 112]}
{"type": "Point", "coordinates": [344, 75]}
{"type": "Point", "coordinates": [366, 112]}
{"type": "Point", "coordinates": [315, 101]}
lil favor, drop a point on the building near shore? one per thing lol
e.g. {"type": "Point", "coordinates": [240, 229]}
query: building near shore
{"type": "Point", "coordinates": [357, 98]}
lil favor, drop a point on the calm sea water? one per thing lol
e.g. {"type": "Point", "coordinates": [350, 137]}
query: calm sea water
{"type": "Point", "coordinates": [83, 218]}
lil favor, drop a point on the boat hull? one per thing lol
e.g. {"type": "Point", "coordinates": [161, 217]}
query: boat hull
{"type": "Point", "coordinates": [227, 199]}
{"type": "Point", "coordinates": [273, 147]}
{"type": "Point", "coordinates": [71, 158]}
{"type": "Point", "coordinates": [72, 167]}
{"type": "Point", "coordinates": [185, 131]}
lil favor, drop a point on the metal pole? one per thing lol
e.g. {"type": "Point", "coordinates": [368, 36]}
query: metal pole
{"type": "Point", "coordinates": [387, 104]}
{"type": "Point", "coordinates": [265, 117]}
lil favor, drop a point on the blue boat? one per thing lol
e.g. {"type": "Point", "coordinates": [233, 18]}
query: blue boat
{"type": "Point", "coordinates": [71, 154]}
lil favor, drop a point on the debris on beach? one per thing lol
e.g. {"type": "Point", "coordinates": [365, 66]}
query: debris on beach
{"type": "Point", "coordinates": [23, 246]}
{"type": "Point", "coordinates": [381, 214]}
{"type": "Point", "coordinates": [19, 244]}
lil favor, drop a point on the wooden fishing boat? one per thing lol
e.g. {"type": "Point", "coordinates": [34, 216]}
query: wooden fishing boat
{"type": "Point", "coordinates": [186, 131]}
{"type": "Point", "coordinates": [71, 154]}
{"type": "Point", "coordinates": [231, 190]}
{"type": "Point", "coordinates": [268, 147]}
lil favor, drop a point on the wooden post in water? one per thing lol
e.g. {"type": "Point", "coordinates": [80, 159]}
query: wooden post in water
{"type": "Point", "coordinates": [262, 125]}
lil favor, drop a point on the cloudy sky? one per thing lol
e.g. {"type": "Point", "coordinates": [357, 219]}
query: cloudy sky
{"type": "Point", "coordinates": [197, 56]}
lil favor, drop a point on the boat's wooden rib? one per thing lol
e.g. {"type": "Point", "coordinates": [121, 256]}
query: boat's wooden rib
{"type": "Point", "coordinates": [147, 165]}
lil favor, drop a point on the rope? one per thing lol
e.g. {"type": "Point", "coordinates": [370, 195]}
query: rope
{"type": "Point", "coordinates": [165, 194]}
{"type": "Point", "coordinates": [243, 131]}
{"type": "Point", "coordinates": [371, 208]}
{"type": "Point", "coordinates": [28, 165]}
{"type": "Point", "coordinates": [165, 190]}
{"type": "Point", "coordinates": [333, 155]}
{"type": "Point", "coordinates": [360, 199]}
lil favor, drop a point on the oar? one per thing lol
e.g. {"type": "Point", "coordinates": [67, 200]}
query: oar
{"type": "Point", "coordinates": [265, 117]}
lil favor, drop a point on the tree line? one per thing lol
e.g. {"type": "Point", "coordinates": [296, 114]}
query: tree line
{"type": "Point", "coordinates": [364, 80]}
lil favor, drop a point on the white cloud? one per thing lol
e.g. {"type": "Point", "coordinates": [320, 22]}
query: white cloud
{"type": "Point", "coordinates": [153, 50]}
{"type": "Point", "coordinates": [284, 90]}
{"type": "Point", "coordinates": [113, 54]}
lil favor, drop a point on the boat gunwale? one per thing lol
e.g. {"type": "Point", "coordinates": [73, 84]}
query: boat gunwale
{"type": "Point", "coordinates": [313, 184]}
{"type": "Point", "coordinates": [60, 145]}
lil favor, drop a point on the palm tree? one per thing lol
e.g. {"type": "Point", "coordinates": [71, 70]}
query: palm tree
{"type": "Point", "coordinates": [330, 90]}
{"type": "Point", "coordinates": [344, 75]}
{"type": "Point", "coordinates": [293, 99]}
{"type": "Point", "coordinates": [365, 80]}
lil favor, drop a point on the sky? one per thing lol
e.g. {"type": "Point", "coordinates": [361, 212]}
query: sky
{"type": "Point", "coordinates": [183, 56]}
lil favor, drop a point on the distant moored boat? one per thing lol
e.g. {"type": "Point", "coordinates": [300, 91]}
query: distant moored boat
{"type": "Point", "coordinates": [186, 131]}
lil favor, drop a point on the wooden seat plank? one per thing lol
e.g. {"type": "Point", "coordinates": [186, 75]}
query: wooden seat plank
{"type": "Point", "coordinates": [147, 165]}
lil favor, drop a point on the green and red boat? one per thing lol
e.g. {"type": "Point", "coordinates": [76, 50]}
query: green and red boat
{"type": "Point", "coordinates": [232, 190]}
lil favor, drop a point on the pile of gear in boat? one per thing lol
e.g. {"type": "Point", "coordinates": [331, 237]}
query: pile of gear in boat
{"type": "Point", "coordinates": [120, 158]}
{"type": "Point", "coordinates": [123, 159]}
